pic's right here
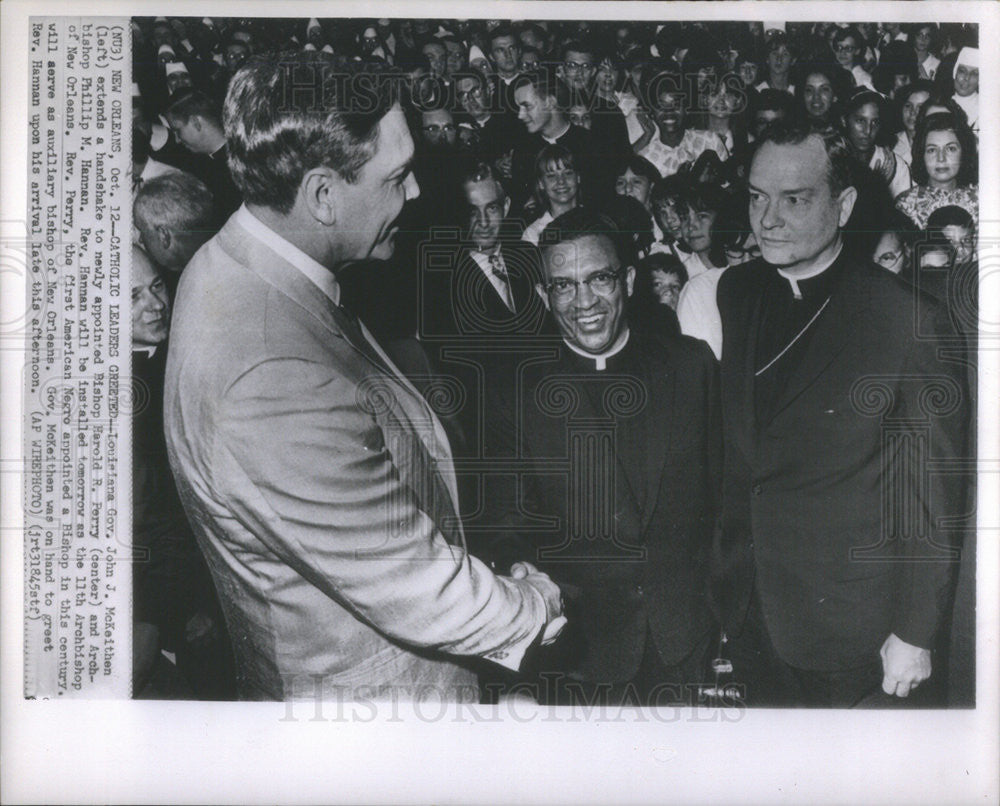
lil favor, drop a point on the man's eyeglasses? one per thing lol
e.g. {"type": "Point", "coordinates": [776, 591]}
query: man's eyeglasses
{"type": "Point", "coordinates": [889, 260]}
{"type": "Point", "coordinates": [436, 128]}
{"type": "Point", "coordinates": [843, 47]}
{"type": "Point", "coordinates": [573, 67]}
{"type": "Point", "coordinates": [601, 283]}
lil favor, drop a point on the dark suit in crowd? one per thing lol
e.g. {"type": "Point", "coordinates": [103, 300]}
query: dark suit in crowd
{"type": "Point", "coordinates": [836, 528]}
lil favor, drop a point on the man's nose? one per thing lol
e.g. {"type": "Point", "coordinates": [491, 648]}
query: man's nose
{"type": "Point", "coordinates": [585, 297]}
{"type": "Point", "coordinates": [411, 189]}
{"type": "Point", "coordinates": [156, 302]}
{"type": "Point", "coordinates": [770, 219]}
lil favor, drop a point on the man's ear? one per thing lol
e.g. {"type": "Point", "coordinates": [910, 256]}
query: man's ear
{"type": "Point", "coordinates": [197, 122]}
{"type": "Point", "coordinates": [629, 280]}
{"type": "Point", "coordinates": [506, 206]}
{"type": "Point", "coordinates": [322, 194]}
{"type": "Point", "coordinates": [540, 290]}
{"type": "Point", "coordinates": [848, 196]}
{"type": "Point", "coordinates": [164, 236]}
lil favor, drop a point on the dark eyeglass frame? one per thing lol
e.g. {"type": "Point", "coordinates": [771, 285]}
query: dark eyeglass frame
{"type": "Point", "coordinates": [570, 288]}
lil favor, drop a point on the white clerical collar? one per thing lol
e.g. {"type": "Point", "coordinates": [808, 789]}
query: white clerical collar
{"type": "Point", "coordinates": [555, 139]}
{"type": "Point", "coordinates": [316, 272]}
{"type": "Point", "coordinates": [601, 361]}
{"type": "Point", "coordinates": [148, 349]}
{"type": "Point", "coordinates": [815, 271]}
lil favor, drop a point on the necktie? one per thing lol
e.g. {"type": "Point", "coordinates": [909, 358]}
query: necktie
{"type": "Point", "coordinates": [498, 269]}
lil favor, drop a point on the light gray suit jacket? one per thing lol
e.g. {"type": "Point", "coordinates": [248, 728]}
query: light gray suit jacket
{"type": "Point", "coordinates": [321, 493]}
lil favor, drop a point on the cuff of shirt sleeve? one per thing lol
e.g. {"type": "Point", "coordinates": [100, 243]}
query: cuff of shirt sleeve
{"type": "Point", "coordinates": [512, 655]}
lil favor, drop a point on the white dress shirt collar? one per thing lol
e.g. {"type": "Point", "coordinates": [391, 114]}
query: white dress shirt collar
{"type": "Point", "coordinates": [316, 272]}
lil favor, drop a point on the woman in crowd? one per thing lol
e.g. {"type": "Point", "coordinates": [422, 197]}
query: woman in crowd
{"type": "Point", "coordinates": [864, 113]}
{"type": "Point", "coordinates": [821, 86]}
{"type": "Point", "coordinates": [924, 36]}
{"type": "Point", "coordinates": [849, 50]}
{"type": "Point", "coordinates": [708, 227]}
{"type": "Point", "coordinates": [557, 188]}
{"type": "Point", "coordinates": [636, 179]}
{"type": "Point", "coordinates": [965, 78]}
{"type": "Point", "coordinates": [667, 141]}
{"type": "Point", "coordinates": [664, 201]}
{"type": "Point", "coordinates": [726, 115]}
{"type": "Point", "coordinates": [778, 59]}
{"type": "Point", "coordinates": [945, 169]}
{"type": "Point", "coordinates": [909, 102]}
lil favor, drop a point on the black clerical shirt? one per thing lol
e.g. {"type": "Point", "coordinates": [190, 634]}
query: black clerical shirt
{"type": "Point", "coordinates": [786, 325]}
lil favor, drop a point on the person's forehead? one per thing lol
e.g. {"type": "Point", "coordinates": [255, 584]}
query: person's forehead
{"type": "Point", "coordinates": [579, 56]}
{"type": "Point", "coordinates": [435, 46]}
{"type": "Point", "coordinates": [917, 98]}
{"type": "Point", "coordinates": [868, 110]}
{"type": "Point", "coordinates": [436, 115]}
{"type": "Point", "coordinates": [483, 191]}
{"type": "Point", "coordinates": [942, 136]}
{"type": "Point", "coordinates": [505, 41]}
{"type": "Point", "coordinates": [526, 92]}
{"type": "Point", "coordinates": [581, 255]}
{"type": "Point", "coordinates": [143, 273]}
{"type": "Point", "coordinates": [817, 80]}
{"type": "Point", "coordinates": [790, 165]}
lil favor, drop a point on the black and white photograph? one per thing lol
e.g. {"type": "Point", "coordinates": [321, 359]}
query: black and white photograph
{"type": "Point", "coordinates": [609, 381]}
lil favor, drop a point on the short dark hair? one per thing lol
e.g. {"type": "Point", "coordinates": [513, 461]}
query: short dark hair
{"type": "Point", "coordinates": [968, 172]}
{"type": "Point", "coordinates": [545, 83]}
{"type": "Point", "coordinates": [578, 46]}
{"type": "Point", "coordinates": [188, 102]}
{"type": "Point", "coordinates": [708, 197]}
{"type": "Point", "coordinates": [640, 166]}
{"type": "Point", "coordinates": [788, 131]}
{"type": "Point", "coordinates": [665, 262]}
{"type": "Point", "coordinates": [951, 215]}
{"type": "Point", "coordinates": [581, 222]}
{"type": "Point", "coordinates": [772, 100]}
{"type": "Point", "coordinates": [502, 30]}
{"type": "Point", "coordinates": [668, 189]}
{"type": "Point", "coordinates": [477, 170]}
{"type": "Point", "coordinates": [288, 115]}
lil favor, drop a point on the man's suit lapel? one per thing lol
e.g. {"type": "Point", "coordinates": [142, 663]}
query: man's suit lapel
{"type": "Point", "coordinates": [662, 385]}
{"type": "Point", "coordinates": [831, 333]}
{"type": "Point", "coordinates": [473, 291]}
{"type": "Point", "coordinates": [739, 350]}
{"type": "Point", "coordinates": [438, 498]}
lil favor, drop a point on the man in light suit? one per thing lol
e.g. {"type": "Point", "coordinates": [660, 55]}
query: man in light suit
{"type": "Point", "coordinates": [834, 571]}
{"type": "Point", "coordinates": [317, 478]}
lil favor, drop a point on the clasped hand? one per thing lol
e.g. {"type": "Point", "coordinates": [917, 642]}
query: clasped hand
{"type": "Point", "coordinates": [554, 618]}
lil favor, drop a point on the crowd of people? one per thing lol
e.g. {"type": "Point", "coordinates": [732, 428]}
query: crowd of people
{"type": "Point", "coordinates": [648, 151]}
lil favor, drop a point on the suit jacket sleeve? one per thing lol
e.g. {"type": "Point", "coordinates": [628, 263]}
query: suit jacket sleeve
{"type": "Point", "coordinates": [942, 398]}
{"type": "Point", "coordinates": [313, 479]}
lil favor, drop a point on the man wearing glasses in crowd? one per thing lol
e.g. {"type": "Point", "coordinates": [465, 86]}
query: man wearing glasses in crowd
{"type": "Point", "coordinates": [627, 532]}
